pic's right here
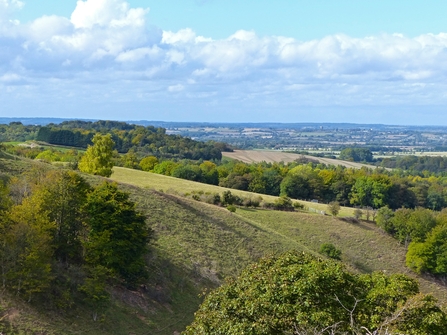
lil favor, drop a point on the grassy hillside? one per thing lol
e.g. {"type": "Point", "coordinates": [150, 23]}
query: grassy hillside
{"type": "Point", "coordinates": [181, 186]}
{"type": "Point", "coordinates": [364, 246]}
{"type": "Point", "coordinates": [196, 246]}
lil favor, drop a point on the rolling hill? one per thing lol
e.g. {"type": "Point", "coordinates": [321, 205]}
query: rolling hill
{"type": "Point", "coordinates": [196, 247]}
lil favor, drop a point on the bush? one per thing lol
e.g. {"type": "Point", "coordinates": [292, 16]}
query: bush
{"type": "Point", "coordinates": [227, 198]}
{"type": "Point", "coordinates": [298, 206]}
{"type": "Point", "coordinates": [213, 199]}
{"type": "Point", "coordinates": [330, 251]}
{"type": "Point", "coordinates": [358, 214]}
{"type": "Point", "coordinates": [283, 204]}
{"type": "Point", "coordinates": [334, 208]}
{"type": "Point", "coordinates": [252, 202]}
{"type": "Point", "coordinates": [231, 208]}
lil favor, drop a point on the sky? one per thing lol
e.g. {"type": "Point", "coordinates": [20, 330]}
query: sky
{"type": "Point", "coordinates": [357, 61]}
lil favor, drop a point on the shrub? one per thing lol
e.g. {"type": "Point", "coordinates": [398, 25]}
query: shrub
{"type": "Point", "coordinates": [334, 208]}
{"type": "Point", "coordinates": [330, 251]}
{"type": "Point", "coordinates": [298, 206]}
{"type": "Point", "coordinates": [358, 214]}
{"type": "Point", "coordinates": [231, 208]}
{"type": "Point", "coordinates": [283, 204]}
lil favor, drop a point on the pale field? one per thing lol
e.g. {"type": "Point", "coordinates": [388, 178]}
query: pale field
{"type": "Point", "coordinates": [424, 153]}
{"type": "Point", "coordinates": [257, 156]}
{"type": "Point", "coordinates": [182, 186]}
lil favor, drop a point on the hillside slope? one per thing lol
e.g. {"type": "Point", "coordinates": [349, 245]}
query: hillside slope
{"type": "Point", "coordinates": [196, 246]}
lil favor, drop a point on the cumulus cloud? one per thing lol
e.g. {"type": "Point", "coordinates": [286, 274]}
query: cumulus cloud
{"type": "Point", "coordinates": [107, 42]}
{"type": "Point", "coordinates": [8, 6]}
{"type": "Point", "coordinates": [107, 13]}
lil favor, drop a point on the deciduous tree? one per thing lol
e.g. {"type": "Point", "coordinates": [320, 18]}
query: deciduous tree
{"type": "Point", "coordinates": [118, 237]}
{"type": "Point", "coordinates": [98, 157]}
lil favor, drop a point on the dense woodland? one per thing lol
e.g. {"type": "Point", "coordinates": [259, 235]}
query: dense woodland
{"type": "Point", "coordinates": [62, 240]}
{"type": "Point", "coordinates": [139, 139]}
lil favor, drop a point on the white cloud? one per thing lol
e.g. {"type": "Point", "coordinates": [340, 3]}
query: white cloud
{"type": "Point", "coordinates": [176, 88]}
{"type": "Point", "coordinates": [107, 43]}
{"type": "Point", "coordinates": [8, 6]}
{"type": "Point", "coordinates": [107, 13]}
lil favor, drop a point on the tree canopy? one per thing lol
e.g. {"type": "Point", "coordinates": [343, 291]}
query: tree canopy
{"type": "Point", "coordinates": [297, 293]}
{"type": "Point", "coordinates": [98, 157]}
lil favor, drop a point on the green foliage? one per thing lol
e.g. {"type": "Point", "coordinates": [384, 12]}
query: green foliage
{"type": "Point", "coordinates": [384, 219]}
{"type": "Point", "coordinates": [98, 157]}
{"type": "Point", "coordinates": [165, 167]}
{"type": "Point", "coordinates": [148, 163]}
{"type": "Point", "coordinates": [118, 236]}
{"type": "Point", "coordinates": [62, 195]}
{"type": "Point", "coordinates": [430, 255]}
{"type": "Point", "coordinates": [416, 164]}
{"type": "Point", "coordinates": [231, 208]}
{"type": "Point", "coordinates": [27, 251]}
{"type": "Point", "coordinates": [283, 204]}
{"type": "Point", "coordinates": [94, 289]}
{"type": "Point", "coordinates": [188, 172]}
{"type": "Point", "coordinates": [228, 198]}
{"type": "Point", "coordinates": [358, 213]}
{"type": "Point", "coordinates": [329, 250]}
{"type": "Point", "coordinates": [296, 292]}
{"type": "Point", "coordinates": [130, 160]}
{"type": "Point", "coordinates": [143, 140]}
{"type": "Point", "coordinates": [372, 191]}
{"type": "Point", "coordinates": [334, 208]}
{"type": "Point", "coordinates": [298, 206]}
{"type": "Point", "coordinates": [356, 155]}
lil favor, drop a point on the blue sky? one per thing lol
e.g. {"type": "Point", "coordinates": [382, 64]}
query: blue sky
{"type": "Point", "coordinates": [213, 60]}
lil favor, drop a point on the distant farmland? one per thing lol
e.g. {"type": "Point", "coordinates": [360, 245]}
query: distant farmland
{"type": "Point", "coordinates": [256, 156]}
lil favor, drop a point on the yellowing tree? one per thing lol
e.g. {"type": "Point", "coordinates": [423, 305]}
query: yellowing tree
{"type": "Point", "coordinates": [98, 157]}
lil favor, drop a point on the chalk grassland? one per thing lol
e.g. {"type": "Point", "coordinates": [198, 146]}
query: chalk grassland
{"type": "Point", "coordinates": [257, 156]}
{"type": "Point", "coordinates": [364, 246]}
{"type": "Point", "coordinates": [181, 186]}
{"type": "Point", "coordinates": [196, 246]}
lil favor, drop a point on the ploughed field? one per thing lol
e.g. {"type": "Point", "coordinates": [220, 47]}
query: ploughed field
{"type": "Point", "coordinates": [257, 156]}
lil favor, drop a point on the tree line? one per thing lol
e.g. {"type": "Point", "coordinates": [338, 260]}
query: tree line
{"type": "Point", "coordinates": [363, 187]}
{"type": "Point", "coordinates": [141, 140]}
{"type": "Point", "coordinates": [126, 137]}
{"type": "Point", "coordinates": [417, 164]}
